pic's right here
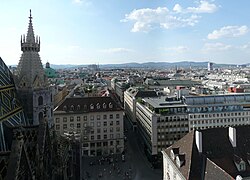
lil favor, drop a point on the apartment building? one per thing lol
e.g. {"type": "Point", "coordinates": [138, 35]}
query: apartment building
{"type": "Point", "coordinates": [162, 121]}
{"type": "Point", "coordinates": [98, 120]}
{"type": "Point", "coordinates": [131, 96]}
{"type": "Point", "coordinates": [218, 110]}
{"type": "Point", "coordinates": [218, 153]}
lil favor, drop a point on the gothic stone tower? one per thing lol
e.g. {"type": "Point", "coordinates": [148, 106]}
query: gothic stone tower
{"type": "Point", "coordinates": [31, 81]}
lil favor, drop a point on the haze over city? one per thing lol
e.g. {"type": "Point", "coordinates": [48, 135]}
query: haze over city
{"type": "Point", "coordinates": [86, 32]}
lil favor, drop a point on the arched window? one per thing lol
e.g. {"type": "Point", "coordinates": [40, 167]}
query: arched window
{"type": "Point", "coordinates": [40, 101]}
{"type": "Point", "coordinates": [40, 117]}
{"type": "Point", "coordinates": [104, 106]}
{"type": "Point", "coordinates": [65, 108]}
{"type": "Point", "coordinates": [98, 106]}
{"type": "Point", "coordinates": [91, 106]}
{"type": "Point", "coordinates": [78, 107]}
{"type": "Point", "coordinates": [72, 107]}
{"type": "Point", "coordinates": [110, 105]}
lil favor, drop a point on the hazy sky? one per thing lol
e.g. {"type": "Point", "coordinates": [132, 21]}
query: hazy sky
{"type": "Point", "coordinates": [119, 31]}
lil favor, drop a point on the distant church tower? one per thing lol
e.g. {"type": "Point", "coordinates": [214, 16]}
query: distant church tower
{"type": "Point", "coordinates": [31, 81]}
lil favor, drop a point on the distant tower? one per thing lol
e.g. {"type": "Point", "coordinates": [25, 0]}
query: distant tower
{"type": "Point", "coordinates": [209, 66]}
{"type": "Point", "coordinates": [31, 80]}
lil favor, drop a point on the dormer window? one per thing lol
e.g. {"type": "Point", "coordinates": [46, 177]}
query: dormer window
{"type": "Point", "coordinates": [91, 106]}
{"type": "Point", "coordinates": [110, 105]}
{"type": "Point", "coordinates": [85, 107]}
{"type": "Point", "coordinates": [180, 160]}
{"type": "Point", "coordinates": [98, 106]}
{"type": "Point", "coordinates": [104, 106]}
{"type": "Point", "coordinates": [174, 152]}
{"type": "Point", "coordinates": [78, 107]}
{"type": "Point", "coordinates": [65, 108]}
{"type": "Point", "coordinates": [239, 163]}
{"type": "Point", "coordinates": [72, 108]}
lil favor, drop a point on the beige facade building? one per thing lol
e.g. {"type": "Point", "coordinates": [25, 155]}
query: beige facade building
{"type": "Point", "coordinates": [99, 121]}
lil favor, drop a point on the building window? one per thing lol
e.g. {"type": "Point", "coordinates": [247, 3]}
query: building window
{"type": "Point", "coordinates": [91, 106]}
{"type": "Point", "coordinates": [78, 125]}
{"type": "Point", "coordinates": [98, 117]}
{"type": "Point", "coordinates": [111, 116]}
{"type": "Point", "coordinates": [92, 124]}
{"type": "Point", "coordinates": [105, 123]}
{"type": "Point", "coordinates": [111, 136]}
{"type": "Point", "coordinates": [105, 143]}
{"type": "Point", "coordinates": [117, 116]}
{"type": "Point", "coordinates": [118, 129]}
{"type": "Point", "coordinates": [91, 117]}
{"type": "Point", "coordinates": [110, 105]}
{"type": "Point", "coordinates": [98, 106]}
{"type": "Point", "coordinates": [71, 119]}
{"type": "Point", "coordinates": [64, 119]}
{"type": "Point", "coordinates": [105, 136]}
{"type": "Point", "coordinates": [98, 130]}
{"type": "Point", "coordinates": [64, 126]}
{"type": "Point", "coordinates": [104, 116]}
{"type": "Point", "coordinates": [71, 125]}
{"type": "Point", "coordinates": [104, 106]}
{"type": "Point", "coordinates": [57, 127]}
{"type": "Point", "coordinates": [85, 118]}
{"type": "Point", "coordinates": [57, 120]}
{"type": "Point", "coordinates": [98, 124]}
{"type": "Point", "coordinates": [111, 143]}
{"type": "Point", "coordinates": [92, 137]}
{"type": "Point", "coordinates": [40, 101]}
{"type": "Point", "coordinates": [98, 136]}
{"type": "Point", "coordinates": [117, 135]}
{"type": "Point", "coordinates": [117, 142]}
{"type": "Point", "coordinates": [78, 118]}
{"type": "Point", "coordinates": [84, 124]}
{"type": "Point", "coordinates": [111, 123]}
{"type": "Point", "coordinates": [117, 122]}
{"type": "Point", "coordinates": [111, 129]}
{"type": "Point", "coordinates": [104, 130]}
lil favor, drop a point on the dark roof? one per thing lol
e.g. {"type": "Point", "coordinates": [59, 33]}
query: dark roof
{"type": "Point", "coordinates": [89, 104]}
{"type": "Point", "coordinates": [140, 93]}
{"type": "Point", "coordinates": [218, 157]}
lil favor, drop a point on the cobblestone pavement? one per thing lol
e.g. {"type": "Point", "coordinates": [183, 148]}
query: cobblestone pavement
{"type": "Point", "coordinates": [110, 168]}
{"type": "Point", "coordinates": [135, 167]}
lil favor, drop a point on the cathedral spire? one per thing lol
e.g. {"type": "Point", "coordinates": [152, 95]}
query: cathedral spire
{"type": "Point", "coordinates": [30, 35]}
{"type": "Point", "coordinates": [30, 69]}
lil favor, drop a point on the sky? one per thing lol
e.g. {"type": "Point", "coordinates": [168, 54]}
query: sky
{"type": "Point", "coordinates": [122, 31]}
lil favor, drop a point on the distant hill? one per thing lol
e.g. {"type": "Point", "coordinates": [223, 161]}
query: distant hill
{"type": "Point", "coordinates": [181, 64]}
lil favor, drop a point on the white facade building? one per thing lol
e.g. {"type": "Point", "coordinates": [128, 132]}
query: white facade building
{"type": "Point", "coordinates": [163, 121]}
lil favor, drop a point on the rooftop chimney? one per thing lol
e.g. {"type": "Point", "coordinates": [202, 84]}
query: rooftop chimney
{"type": "Point", "coordinates": [232, 136]}
{"type": "Point", "coordinates": [198, 140]}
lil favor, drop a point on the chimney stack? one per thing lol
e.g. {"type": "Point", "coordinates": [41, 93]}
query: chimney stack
{"type": "Point", "coordinates": [198, 140]}
{"type": "Point", "coordinates": [232, 136]}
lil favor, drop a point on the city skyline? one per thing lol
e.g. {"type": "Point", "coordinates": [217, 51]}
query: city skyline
{"type": "Point", "coordinates": [87, 32]}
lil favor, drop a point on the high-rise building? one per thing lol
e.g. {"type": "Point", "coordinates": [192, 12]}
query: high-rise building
{"type": "Point", "coordinates": [31, 80]}
{"type": "Point", "coordinates": [209, 66]}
